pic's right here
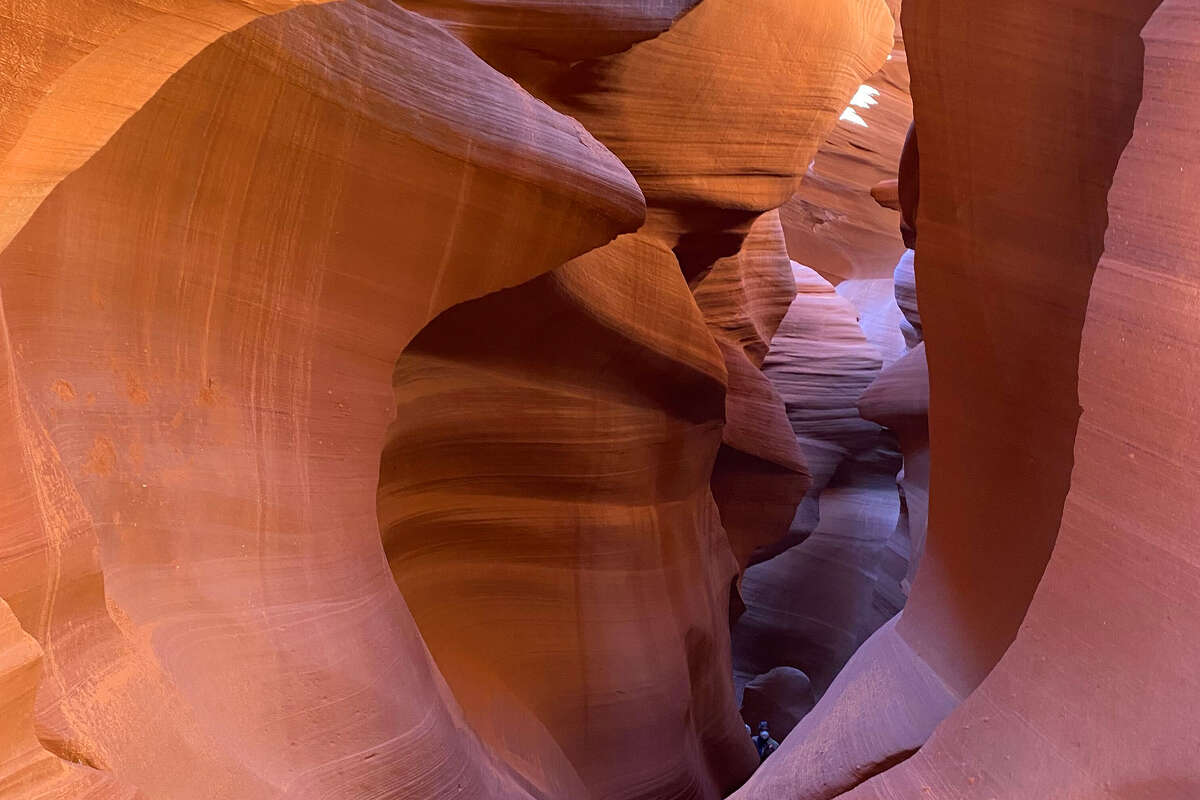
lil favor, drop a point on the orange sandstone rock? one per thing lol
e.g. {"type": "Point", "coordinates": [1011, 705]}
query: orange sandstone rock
{"type": "Point", "coordinates": [1094, 698]}
{"type": "Point", "coordinates": [200, 326]}
{"type": "Point", "coordinates": [26, 768]}
{"type": "Point", "coordinates": [592, 344]}
{"type": "Point", "coordinates": [1012, 223]}
{"type": "Point", "coordinates": [569, 564]}
{"type": "Point", "coordinates": [834, 223]}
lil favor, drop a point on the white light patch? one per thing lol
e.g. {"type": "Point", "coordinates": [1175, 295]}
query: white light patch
{"type": "Point", "coordinates": [863, 98]}
{"type": "Point", "coordinates": [850, 115]}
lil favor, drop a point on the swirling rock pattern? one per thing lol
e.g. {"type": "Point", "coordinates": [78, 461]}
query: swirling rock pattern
{"type": "Point", "coordinates": [570, 565]}
{"type": "Point", "coordinates": [558, 30]}
{"type": "Point", "coordinates": [833, 222]}
{"type": "Point", "coordinates": [75, 72]}
{"type": "Point", "coordinates": [1116, 606]}
{"type": "Point", "coordinates": [1006, 252]}
{"type": "Point", "coordinates": [760, 475]}
{"type": "Point", "coordinates": [631, 548]}
{"type": "Point", "coordinates": [26, 768]}
{"type": "Point", "coordinates": [200, 326]}
{"type": "Point", "coordinates": [815, 601]}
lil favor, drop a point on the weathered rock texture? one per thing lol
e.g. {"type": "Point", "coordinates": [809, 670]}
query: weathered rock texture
{"type": "Point", "coordinates": [26, 768]}
{"type": "Point", "coordinates": [1094, 697]}
{"type": "Point", "coordinates": [200, 326]}
{"type": "Point", "coordinates": [811, 604]}
{"type": "Point", "coordinates": [801, 611]}
{"type": "Point", "coordinates": [75, 72]}
{"type": "Point", "coordinates": [569, 566]}
{"type": "Point", "coordinates": [558, 30]}
{"type": "Point", "coordinates": [833, 223]}
{"type": "Point", "coordinates": [573, 568]}
{"type": "Point", "coordinates": [1012, 223]}
{"type": "Point", "coordinates": [760, 475]}
{"type": "Point", "coordinates": [244, 245]}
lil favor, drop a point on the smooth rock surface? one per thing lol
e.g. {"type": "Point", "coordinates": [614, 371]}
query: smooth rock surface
{"type": "Point", "coordinates": [780, 698]}
{"type": "Point", "coordinates": [833, 223]}
{"type": "Point", "coordinates": [813, 600]}
{"type": "Point", "coordinates": [1009, 239]}
{"type": "Point", "coordinates": [570, 565]}
{"type": "Point", "coordinates": [75, 72]}
{"type": "Point", "coordinates": [200, 327]}
{"type": "Point", "coordinates": [637, 636]}
{"type": "Point", "coordinates": [1008, 244]}
{"type": "Point", "coordinates": [1094, 697]}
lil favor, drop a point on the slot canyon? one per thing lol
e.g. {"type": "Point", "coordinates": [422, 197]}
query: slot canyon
{"type": "Point", "coordinates": [599, 400]}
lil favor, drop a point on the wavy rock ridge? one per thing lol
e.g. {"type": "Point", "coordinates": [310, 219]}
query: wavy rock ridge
{"type": "Point", "coordinates": [622, 375]}
{"type": "Point", "coordinates": [198, 385]}
{"type": "Point", "coordinates": [1016, 473]}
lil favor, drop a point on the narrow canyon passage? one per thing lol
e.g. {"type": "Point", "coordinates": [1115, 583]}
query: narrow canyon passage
{"type": "Point", "coordinates": [529, 399]}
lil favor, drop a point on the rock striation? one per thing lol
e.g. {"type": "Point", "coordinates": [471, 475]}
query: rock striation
{"type": "Point", "coordinates": [75, 72]}
{"type": "Point", "coordinates": [1111, 602]}
{"type": "Point", "coordinates": [26, 767]}
{"type": "Point", "coordinates": [833, 222]}
{"type": "Point", "coordinates": [200, 326]}
{"type": "Point", "coordinates": [629, 491]}
{"type": "Point", "coordinates": [1003, 344]}
{"type": "Point", "coordinates": [811, 599]}
{"type": "Point", "coordinates": [443, 398]}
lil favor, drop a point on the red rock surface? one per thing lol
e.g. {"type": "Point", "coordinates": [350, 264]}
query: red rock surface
{"type": "Point", "coordinates": [26, 768]}
{"type": "Point", "coordinates": [833, 223]}
{"type": "Point", "coordinates": [1006, 253]}
{"type": "Point", "coordinates": [813, 603]}
{"type": "Point", "coordinates": [1003, 335]}
{"type": "Point", "coordinates": [198, 386]}
{"type": "Point", "coordinates": [75, 72]}
{"type": "Point", "coordinates": [620, 380]}
{"type": "Point", "coordinates": [1094, 697]}
{"type": "Point", "coordinates": [1031, 729]}
{"type": "Point", "coordinates": [760, 475]}
{"type": "Point", "coordinates": [570, 567]}
{"type": "Point", "coordinates": [531, 250]}
{"type": "Point", "coordinates": [558, 30]}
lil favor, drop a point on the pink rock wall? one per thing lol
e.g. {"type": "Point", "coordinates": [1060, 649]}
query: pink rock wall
{"type": "Point", "coordinates": [1093, 697]}
{"type": "Point", "coordinates": [1007, 249]}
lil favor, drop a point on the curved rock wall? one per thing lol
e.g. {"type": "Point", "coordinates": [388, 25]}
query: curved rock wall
{"type": "Point", "coordinates": [636, 515]}
{"type": "Point", "coordinates": [810, 604]}
{"type": "Point", "coordinates": [75, 72]}
{"type": "Point", "coordinates": [238, 240]}
{"type": "Point", "coordinates": [26, 767]}
{"type": "Point", "coordinates": [1008, 244]}
{"type": "Point", "coordinates": [1093, 699]}
{"type": "Point", "coordinates": [833, 223]}
{"type": "Point", "coordinates": [568, 566]}
{"type": "Point", "coordinates": [200, 326]}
